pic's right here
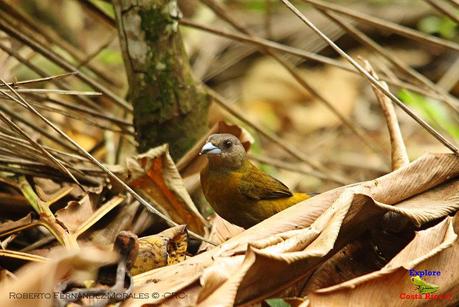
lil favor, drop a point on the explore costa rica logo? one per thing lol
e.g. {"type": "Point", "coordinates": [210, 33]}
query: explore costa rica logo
{"type": "Point", "coordinates": [426, 289]}
{"type": "Point", "coordinates": [423, 286]}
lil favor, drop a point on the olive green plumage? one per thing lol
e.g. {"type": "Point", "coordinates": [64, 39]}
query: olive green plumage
{"type": "Point", "coordinates": [238, 191]}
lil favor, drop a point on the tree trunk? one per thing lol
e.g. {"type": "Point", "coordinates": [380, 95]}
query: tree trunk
{"type": "Point", "coordinates": [169, 107]}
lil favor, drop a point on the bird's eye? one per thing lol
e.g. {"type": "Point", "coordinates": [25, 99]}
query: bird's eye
{"type": "Point", "coordinates": [227, 143]}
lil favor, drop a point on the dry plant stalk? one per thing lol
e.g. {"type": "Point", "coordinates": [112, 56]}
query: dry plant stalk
{"type": "Point", "coordinates": [399, 155]}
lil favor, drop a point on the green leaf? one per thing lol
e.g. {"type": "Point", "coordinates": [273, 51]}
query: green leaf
{"type": "Point", "coordinates": [442, 26]}
{"type": "Point", "coordinates": [436, 112]}
{"type": "Point", "coordinates": [277, 302]}
{"type": "Point", "coordinates": [256, 5]}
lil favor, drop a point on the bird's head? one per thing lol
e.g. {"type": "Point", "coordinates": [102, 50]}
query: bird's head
{"type": "Point", "coordinates": [224, 150]}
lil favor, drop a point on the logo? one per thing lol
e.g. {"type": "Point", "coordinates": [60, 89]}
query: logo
{"type": "Point", "coordinates": [425, 289]}
{"type": "Point", "coordinates": [422, 286]}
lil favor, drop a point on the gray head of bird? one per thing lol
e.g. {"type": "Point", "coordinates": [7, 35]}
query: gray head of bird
{"type": "Point", "coordinates": [224, 151]}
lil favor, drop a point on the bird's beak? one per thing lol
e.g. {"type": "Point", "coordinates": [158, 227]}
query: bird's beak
{"type": "Point", "coordinates": [210, 148]}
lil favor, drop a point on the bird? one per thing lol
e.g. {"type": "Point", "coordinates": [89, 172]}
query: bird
{"type": "Point", "coordinates": [236, 189]}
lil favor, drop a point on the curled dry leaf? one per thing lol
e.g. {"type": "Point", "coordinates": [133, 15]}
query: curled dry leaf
{"type": "Point", "coordinates": [165, 248]}
{"type": "Point", "coordinates": [287, 247]}
{"type": "Point", "coordinates": [345, 265]}
{"type": "Point", "coordinates": [10, 227]}
{"type": "Point", "coordinates": [433, 249]}
{"type": "Point", "coordinates": [154, 175]}
{"type": "Point", "coordinates": [41, 279]}
{"type": "Point", "coordinates": [221, 231]}
{"type": "Point", "coordinates": [77, 212]}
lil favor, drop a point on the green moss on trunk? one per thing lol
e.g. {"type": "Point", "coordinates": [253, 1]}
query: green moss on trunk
{"type": "Point", "coordinates": [169, 107]}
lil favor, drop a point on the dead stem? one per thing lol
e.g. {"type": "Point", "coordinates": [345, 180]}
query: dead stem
{"type": "Point", "coordinates": [49, 54]}
{"type": "Point", "coordinates": [32, 142]}
{"type": "Point", "coordinates": [444, 10]}
{"type": "Point", "coordinates": [40, 80]}
{"type": "Point", "coordinates": [42, 73]}
{"type": "Point", "coordinates": [399, 155]}
{"type": "Point", "coordinates": [383, 24]}
{"type": "Point", "coordinates": [47, 218]}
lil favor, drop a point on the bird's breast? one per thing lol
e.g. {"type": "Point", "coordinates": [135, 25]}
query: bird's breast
{"type": "Point", "coordinates": [221, 189]}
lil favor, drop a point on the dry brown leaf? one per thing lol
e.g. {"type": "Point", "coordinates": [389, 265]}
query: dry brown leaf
{"type": "Point", "coordinates": [9, 227]}
{"type": "Point", "coordinates": [50, 191]}
{"type": "Point", "coordinates": [165, 248]}
{"type": "Point", "coordinates": [42, 278]}
{"type": "Point", "coordinates": [292, 243]}
{"type": "Point", "coordinates": [433, 249]}
{"type": "Point", "coordinates": [353, 260]}
{"type": "Point", "coordinates": [221, 231]}
{"type": "Point", "coordinates": [13, 204]}
{"type": "Point", "coordinates": [98, 214]}
{"type": "Point", "coordinates": [154, 174]}
{"type": "Point", "coordinates": [123, 220]}
{"type": "Point", "coordinates": [77, 212]}
{"type": "Point", "coordinates": [6, 276]}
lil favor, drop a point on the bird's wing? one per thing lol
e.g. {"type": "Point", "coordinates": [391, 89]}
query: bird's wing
{"type": "Point", "coordinates": [258, 185]}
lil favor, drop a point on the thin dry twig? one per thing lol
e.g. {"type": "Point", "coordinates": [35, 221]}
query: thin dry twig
{"type": "Point", "coordinates": [450, 77]}
{"type": "Point", "coordinates": [36, 30]}
{"type": "Point", "coordinates": [108, 117]}
{"type": "Point", "coordinates": [96, 11]}
{"type": "Point", "coordinates": [40, 80]}
{"type": "Point", "coordinates": [101, 48]}
{"type": "Point", "coordinates": [36, 128]}
{"type": "Point", "coordinates": [383, 24]}
{"type": "Point", "coordinates": [267, 43]}
{"type": "Point", "coordinates": [443, 9]}
{"type": "Point", "coordinates": [59, 83]}
{"type": "Point", "coordinates": [18, 130]}
{"type": "Point", "coordinates": [86, 154]}
{"type": "Point", "coordinates": [7, 139]}
{"type": "Point", "coordinates": [454, 2]}
{"type": "Point", "coordinates": [49, 54]}
{"type": "Point", "coordinates": [82, 117]}
{"type": "Point", "coordinates": [407, 110]}
{"type": "Point", "coordinates": [52, 91]}
{"type": "Point", "coordinates": [268, 18]}
{"type": "Point", "coordinates": [119, 122]}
